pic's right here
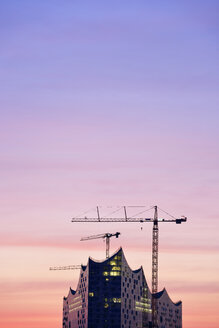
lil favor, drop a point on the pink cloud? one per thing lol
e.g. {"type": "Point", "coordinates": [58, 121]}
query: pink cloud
{"type": "Point", "coordinates": [21, 287]}
{"type": "Point", "coordinates": [185, 287]}
{"type": "Point", "coordinates": [68, 242]}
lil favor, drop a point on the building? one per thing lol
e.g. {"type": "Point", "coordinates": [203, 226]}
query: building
{"type": "Point", "coordinates": [169, 313]}
{"type": "Point", "coordinates": [111, 295]}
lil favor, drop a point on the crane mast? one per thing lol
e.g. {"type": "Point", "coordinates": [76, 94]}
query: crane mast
{"type": "Point", "coordinates": [155, 253]}
{"type": "Point", "coordinates": [155, 240]}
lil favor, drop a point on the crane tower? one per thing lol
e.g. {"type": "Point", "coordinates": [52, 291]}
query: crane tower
{"type": "Point", "coordinates": [103, 235]}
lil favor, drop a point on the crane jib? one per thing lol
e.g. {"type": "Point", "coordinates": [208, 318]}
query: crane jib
{"type": "Point", "coordinates": [141, 220]}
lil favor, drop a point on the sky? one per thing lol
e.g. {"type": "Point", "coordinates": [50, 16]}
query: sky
{"type": "Point", "coordinates": [107, 103]}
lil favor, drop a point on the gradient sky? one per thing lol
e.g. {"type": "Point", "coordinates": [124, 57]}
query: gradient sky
{"type": "Point", "coordinates": [109, 103]}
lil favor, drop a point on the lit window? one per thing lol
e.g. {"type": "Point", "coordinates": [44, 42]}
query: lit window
{"type": "Point", "coordinates": [117, 268]}
{"type": "Point", "coordinates": [116, 300]}
{"type": "Point", "coordinates": [115, 273]}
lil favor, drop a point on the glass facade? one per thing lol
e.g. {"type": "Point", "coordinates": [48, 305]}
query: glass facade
{"type": "Point", "coordinates": [111, 295]}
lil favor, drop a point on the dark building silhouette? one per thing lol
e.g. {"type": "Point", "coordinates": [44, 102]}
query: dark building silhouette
{"type": "Point", "coordinates": [111, 295]}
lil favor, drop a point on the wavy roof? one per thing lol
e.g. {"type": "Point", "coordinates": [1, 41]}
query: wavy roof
{"type": "Point", "coordinates": [105, 260]}
{"type": "Point", "coordinates": [164, 292]}
{"type": "Point", "coordinates": [157, 295]}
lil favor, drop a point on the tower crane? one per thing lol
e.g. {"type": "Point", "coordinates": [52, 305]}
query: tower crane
{"type": "Point", "coordinates": [155, 239]}
{"type": "Point", "coordinates": [106, 236]}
